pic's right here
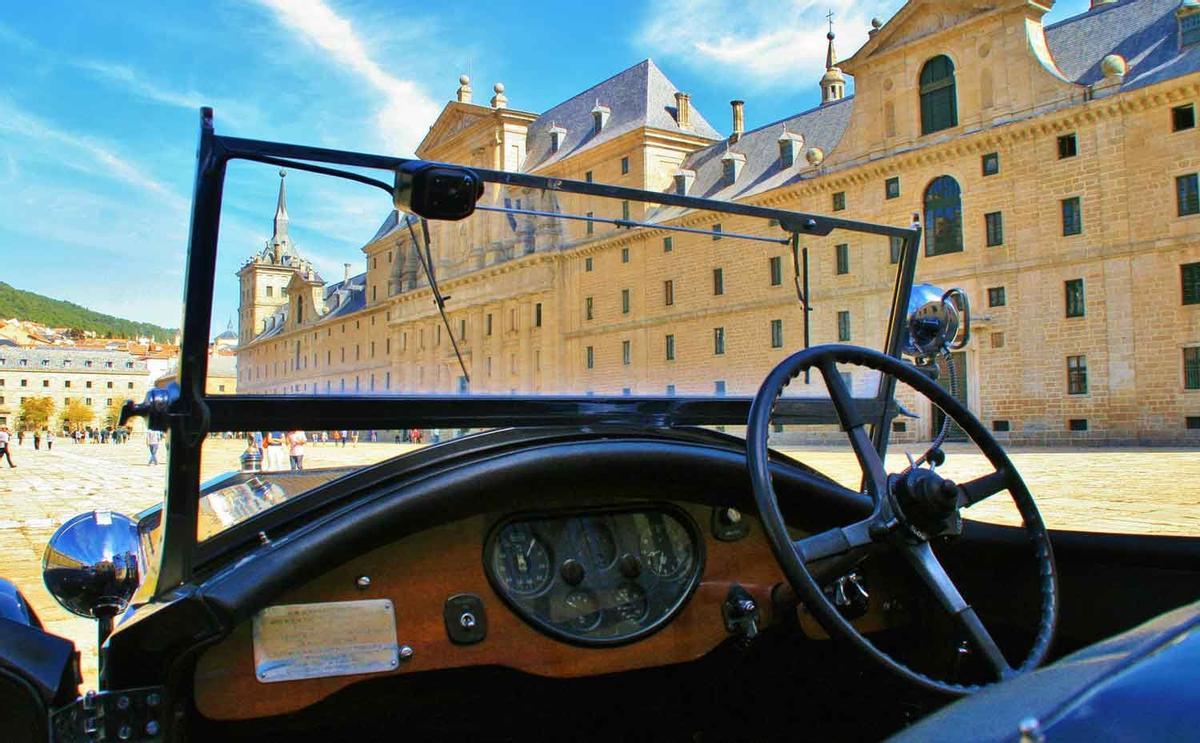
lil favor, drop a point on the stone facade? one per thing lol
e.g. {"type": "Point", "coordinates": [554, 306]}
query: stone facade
{"type": "Point", "coordinates": [1042, 120]}
{"type": "Point", "coordinates": [98, 378]}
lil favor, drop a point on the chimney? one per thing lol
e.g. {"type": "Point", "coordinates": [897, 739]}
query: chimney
{"type": "Point", "coordinates": [345, 275]}
{"type": "Point", "coordinates": [739, 120]}
{"type": "Point", "coordinates": [683, 110]}
{"type": "Point", "coordinates": [464, 89]}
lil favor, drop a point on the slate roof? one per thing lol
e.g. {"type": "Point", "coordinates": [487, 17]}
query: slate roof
{"type": "Point", "coordinates": [641, 96]}
{"type": "Point", "coordinates": [1144, 32]}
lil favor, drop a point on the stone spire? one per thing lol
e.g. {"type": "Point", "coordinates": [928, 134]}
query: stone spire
{"type": "Point", "coordinates": [281, 244]}
{"type": "Point", "coordinates": [833, 82]}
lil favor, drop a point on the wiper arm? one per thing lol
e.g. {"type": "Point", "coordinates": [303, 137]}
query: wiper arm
{"type": "Point", "coordinates": [426, 259]}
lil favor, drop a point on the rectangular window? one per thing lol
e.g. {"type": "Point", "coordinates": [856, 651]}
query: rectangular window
{"type": "Point", "coordinates": [1077, 375]}
{"type": "Point", "coordinates": [716, 230]}
{"type": "Point", "coordinates": [1187, 195]}
{"type": "Point", "coordinates": [1068, 146]}
{"type": "Point", "coordinates": [537, 315]}
{"type": "Point", "coordinates": [994, 224]}
{"type": "Point", "coordinates": [624, 301]}
{"type": "Point", "coordinates": [719, 341]}
{"type": "Point", "coordinates": [587, 264]}
{"type": "Point", "coordinates": [270, 291]}
{"type": "Point", "coordinates": [588, 307]}
{"type": "Point", "coordinates": [1072, 219]}
{"type": "Point", "coordinates": [843, 258]}
{"type": "Point", "coordinates": [839, 201]}
{"type": "Point", "coordinates": [1001, 426]}
{"type": "Point", "coordinates": [1077, 424]}
{"type": "Point", "coordinates": [588, 176]}
{"type": "Point", "coordinates": [843, 328]}
{"type": "Point", "coordinates": [591, 226]}
{"type": "Point", "coordinates": [719, 387]}
{"type": "Point", "coordinates": [1183, 117]}
{"type": "Point", "coordinates": [718, 282]}
{"type": "Point", "coordinates": [624, 166]}
{"type": "Point", "coordinates": [996, 296]}
{"type": "Point", "coordinates": [626, 352]}
{"type": "Point", "coordinates": [891, 188]}
{"type": "Point", "coordinates": [591, 357]}
{"type": "Point", "coordinates": [1191, 368]}
{"type": "Point", "coordinates": [669, 292]}
{"type": "Point", "coordinates": [667, 247]}
{"type": "Point", "coordinates": [624, 255]}
{"type": "Point", "coordinates": [671, 392]}
{"type": "Point", "coordinates": [997, 340]}
{"type": "Point", "coordinates": [896, 245]}
{"type": "Point", "coordinates": [777, 334]}
{"type": "Point", "coordinates": [670, 348]}
{"type": "Point", "coordinates": [1189, 275]}
{"type": "Point", "coordinates": [776, 270]}
{"type": "Point", "coordinates": [1075, 300]}
{"type": "Point", "coordinates": [488, 324]}
{"type": "Point", "coordinates": [625, 210]}
{"type": "Point", "coordinates": [1192, 422]}
{"type": "Point", "coordinates": [991, 163]}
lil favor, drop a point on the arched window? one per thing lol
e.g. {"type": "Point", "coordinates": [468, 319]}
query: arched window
{"type": "Point", "coordinates": [943, 217]}
{"type": "Point", "coordinates": [939, 104]}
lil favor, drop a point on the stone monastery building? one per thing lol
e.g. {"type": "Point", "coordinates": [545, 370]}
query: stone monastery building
{"type": "Point", "coordinates": [1053, 167]}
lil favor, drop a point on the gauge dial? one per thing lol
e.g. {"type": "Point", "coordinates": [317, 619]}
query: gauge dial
{"type": "Point", "coordinates": [521, 560]}
{"type": "Point", "coordinates": [594, 541]}
{"type": "Point", "coordinates": [581, 611]}
{"type": "Point", "coordinates": [629, 602]}
{"type": "Point", "coordinates": [664, 543]}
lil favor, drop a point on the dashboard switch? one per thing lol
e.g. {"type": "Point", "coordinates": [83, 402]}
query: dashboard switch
{"type": "Point", "coordinates": [466, 622]}
{"type": "Point", "coordinates": [572, 572]}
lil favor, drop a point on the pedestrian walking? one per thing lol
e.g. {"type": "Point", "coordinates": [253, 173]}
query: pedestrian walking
{"type": "Point", "coordinates": [345, 437]}
{"type": "Point", "coordinates": [274, 460]}
{"type": "Point", "coordinates": [354, 438]}
{"type": "Point", "coordinates": [4, 445]}
{"type": "Point", "coordinates": [153, 439]}
{"type": "Point", "coordinates": [21, 437]}
{"type": "Point", "coordinates": [49, 439]}
{"type": "Point", "coordinates": [296, 441]}
{"type": "Point", "coordinates": [37, 440]}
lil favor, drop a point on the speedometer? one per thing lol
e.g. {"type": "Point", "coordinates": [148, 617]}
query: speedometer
{"type": "Point", "coordinates": [665, 544]}
{"type": "Point", "coordinates": [521, 560]}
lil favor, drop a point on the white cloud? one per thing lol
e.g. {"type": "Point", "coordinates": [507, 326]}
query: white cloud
{"type": "Point", "coordinates": [406, 111]}
{"type": "Point", "coordinates": [764, 44]}
{"type": "Point", "coordinates": [230, 111]}
{"type": "Point", "coordinates": [102, 159]}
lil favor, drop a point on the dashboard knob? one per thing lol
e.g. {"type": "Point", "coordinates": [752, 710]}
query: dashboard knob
{"type": "Point", "coordinates": [630, 566]}
{"type": "Point", "coordinates": [572, 572]}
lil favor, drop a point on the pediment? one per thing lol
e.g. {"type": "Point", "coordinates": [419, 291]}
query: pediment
{"type": "Point", "coordinates": [454, 119]}
{"type": "Point", "coordinates": [919, 19]}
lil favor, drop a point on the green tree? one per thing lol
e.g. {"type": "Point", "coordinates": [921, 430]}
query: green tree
{"type": "Point", "coordinates": [36, 412]}
{"type": "Point", "coordinates": [77, 415]}
{"type": "Point", "coordinates": [112, 413]}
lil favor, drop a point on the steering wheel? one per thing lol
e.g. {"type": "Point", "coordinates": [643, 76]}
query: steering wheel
{"type": "Point", "coordinates": [908, 510]}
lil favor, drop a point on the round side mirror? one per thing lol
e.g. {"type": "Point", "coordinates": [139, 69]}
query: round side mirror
{"type": "Point", "coordinates": [91, 564]}
{"type": "Point", "coordinates": [933, 321]}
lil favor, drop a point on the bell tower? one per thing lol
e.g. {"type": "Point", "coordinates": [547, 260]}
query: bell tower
{"type": "Point", "coordinates": [264, 278]}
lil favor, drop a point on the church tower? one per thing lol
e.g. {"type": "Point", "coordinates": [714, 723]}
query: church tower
{"type": "Point", "coordinates": [264, 278]}
{"type": "Point", "coordinates": [833, 82]}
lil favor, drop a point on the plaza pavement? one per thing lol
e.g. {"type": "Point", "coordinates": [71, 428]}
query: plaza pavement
{"type": "Point", "coordinates": [1154, 491]}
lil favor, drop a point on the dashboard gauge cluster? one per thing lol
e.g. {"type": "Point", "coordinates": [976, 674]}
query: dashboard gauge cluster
{"type": "Point", "coordinates": [600, 577]}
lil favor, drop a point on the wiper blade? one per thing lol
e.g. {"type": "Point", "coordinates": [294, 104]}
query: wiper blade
{"type": "Point", "coordinates": [426, 260]}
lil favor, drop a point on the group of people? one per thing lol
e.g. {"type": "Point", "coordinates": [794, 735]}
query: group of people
{"type": "Point", "coordinates": [7, 441]}
{"type": "Point", "coordinates": [270, 448]}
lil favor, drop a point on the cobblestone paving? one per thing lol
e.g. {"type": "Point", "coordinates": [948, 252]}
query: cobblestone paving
{"type": "Point", "coordinates": [1153, 491]}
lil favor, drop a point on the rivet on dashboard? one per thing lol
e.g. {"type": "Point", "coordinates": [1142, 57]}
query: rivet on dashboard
{"type": "Point", "coordinates": [406, 652]}
{"type": "Point", "coordinates": [362, 582]}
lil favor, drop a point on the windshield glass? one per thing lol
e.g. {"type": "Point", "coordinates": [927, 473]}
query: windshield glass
{"type": "Point", "coordinates": [539, 293]}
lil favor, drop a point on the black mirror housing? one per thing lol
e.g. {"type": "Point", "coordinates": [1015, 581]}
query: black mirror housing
{"type": "Point", "coordinates": [437, 191]}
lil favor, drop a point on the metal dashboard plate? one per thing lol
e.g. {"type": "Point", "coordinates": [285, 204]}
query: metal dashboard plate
{"type": "Point", "coordinates": [340, 638]}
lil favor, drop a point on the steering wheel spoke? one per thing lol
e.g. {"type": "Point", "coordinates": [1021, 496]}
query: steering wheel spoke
{"type": "Point", "coordinates": [982, 488]}
{"type": "Point", "coordinates": [874, 473]}
{"type": "Point", "coordinates": [931, 572]}
{"type": "Point", "coordinates": [834, 542]}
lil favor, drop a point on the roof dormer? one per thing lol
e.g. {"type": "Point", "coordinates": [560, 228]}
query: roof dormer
{"type": "Point", "coordinates": [1188, 15]}
{"type": "Point", "coordinates": [557, 136]}
{"type": "Point", "coordinates": [790, 147]}
{"type": "Point", "coordinates": [600, 116]}
{"type": "Point", "coordinates": [731, 165]}
{"type": "Point", "coordinates": [683, 181]}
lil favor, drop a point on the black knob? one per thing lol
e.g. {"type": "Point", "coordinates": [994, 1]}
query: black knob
{"type": "Point", "coordinates": [937, 457]}
{"type": "Point", "coordinates": [572, 572]}
{"type": "Point", "coordinates": [630, 566]}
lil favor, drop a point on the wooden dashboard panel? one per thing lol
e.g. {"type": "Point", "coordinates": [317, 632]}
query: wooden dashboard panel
{"type": "Point", "coordinates": [419, 572]}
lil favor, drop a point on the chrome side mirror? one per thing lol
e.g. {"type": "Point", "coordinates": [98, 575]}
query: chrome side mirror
{"type": "Point", "coordinates": [934, 321]}
{"type": "Point", "coordinates": [91, 565]}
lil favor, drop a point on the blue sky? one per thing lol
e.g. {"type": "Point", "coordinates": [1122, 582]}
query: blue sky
{"type": "Point", "coordinates": [98, 110]}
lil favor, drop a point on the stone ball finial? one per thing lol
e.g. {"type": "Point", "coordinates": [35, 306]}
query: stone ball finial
{"type": "Point", "coordinates": [815, 156]}
{"type": "Point", "coordinates": [498, 87]}
{"type": "Point", "coordinates": [829, 36]}
{"type": "Point", "coordinates": [876, 24]}
{"type": "Point", "coordinates": [464, 80]}
{"type": "Point", "coordinates": [1114, 65]}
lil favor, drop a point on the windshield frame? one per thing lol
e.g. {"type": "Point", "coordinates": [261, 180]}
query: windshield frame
{"type": "Point", "coordinates": [189, 413]}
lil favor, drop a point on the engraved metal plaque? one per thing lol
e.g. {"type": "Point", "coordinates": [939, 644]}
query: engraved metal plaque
{"type": "Point", "coordinates": [341, 638]}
